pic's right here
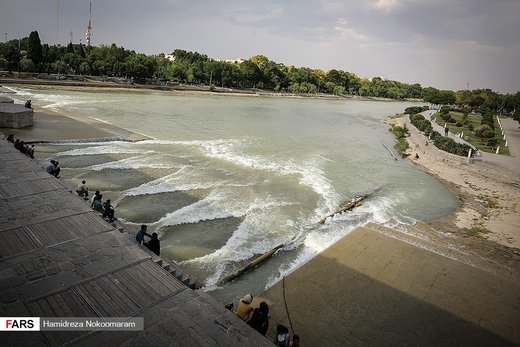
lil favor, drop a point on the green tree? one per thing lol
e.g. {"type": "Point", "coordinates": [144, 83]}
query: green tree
{"type": "Point", "coordinates": [250, 73]}
{"type": "Point", "coordinates": [34, 48]}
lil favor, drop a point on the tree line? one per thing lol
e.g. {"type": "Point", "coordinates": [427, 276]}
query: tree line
{"type": "Point", "coordinates": [28, 54]}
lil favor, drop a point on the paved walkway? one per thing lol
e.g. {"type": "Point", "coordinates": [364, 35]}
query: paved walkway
{"type": "Point", "coordinates": [512, 130]}
{"type": "Point", "coordinates": [58, 258]}
{"type": "Point", "coordinates": [511, 163]}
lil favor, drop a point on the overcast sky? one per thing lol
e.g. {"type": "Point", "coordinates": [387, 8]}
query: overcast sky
{"type": "Point", "coordinates": [441, 43]}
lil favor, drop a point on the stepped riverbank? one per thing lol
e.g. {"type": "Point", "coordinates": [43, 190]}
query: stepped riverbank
{"type": "Point", "coordinates": [59, 258]}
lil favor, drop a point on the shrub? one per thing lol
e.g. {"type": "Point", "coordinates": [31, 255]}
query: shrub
{"type": "Point", "coordinates": [492, 142]}
{"type": "Point", "coordinates": [415, 109]}
{"type": "Point", "coordinates": [470, 127]}
{"type": "Point", "coordinates": [488, 134]}
{"type": "Point", "coordinates": [484, 129]}
{"type": "Point", "coordinates": [416, 117]}
{"type": "Point", "coordinates": [452, 120]}
{"type": "Point", "coordinates": [424, 126]}
{"type": "Point", "coordinates": [434, 135]}
{"type": "Point", "coordinates": [487, 119]}
{"type": "Point", "coordinates": [401, 133]}
{"type": "Point", "coordinates": [421, 123]}
{"type": "Point", "coordinates": [445, 116]}
{"type": "Point", "coordinates": [449, 145]}
{"type": "Point", "coordinates": [459, 124]}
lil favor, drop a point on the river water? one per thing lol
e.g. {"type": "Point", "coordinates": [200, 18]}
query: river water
{"type": "Point", "coordinates": [228, 178]}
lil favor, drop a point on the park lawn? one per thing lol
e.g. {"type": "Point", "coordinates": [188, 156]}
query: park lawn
{"type": "Point", "coordinates": [472, 138]}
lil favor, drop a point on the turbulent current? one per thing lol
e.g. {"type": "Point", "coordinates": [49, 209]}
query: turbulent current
{"type": "Point", "coordinates": [227, 178]}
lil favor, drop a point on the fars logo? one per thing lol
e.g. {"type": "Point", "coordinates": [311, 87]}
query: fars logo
{"type": "Point", "coordinates": [19, 323]}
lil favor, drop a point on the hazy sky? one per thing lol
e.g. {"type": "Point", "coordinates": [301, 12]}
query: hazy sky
{"type": "Point", "coordinates": [441, 43]}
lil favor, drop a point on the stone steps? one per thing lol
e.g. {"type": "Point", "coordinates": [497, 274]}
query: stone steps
{"type": "Point", "coordinates": [176, 272]}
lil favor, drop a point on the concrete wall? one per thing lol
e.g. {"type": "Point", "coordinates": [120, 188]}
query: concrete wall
{"type": "Point", "coordinates": [4, 99]}
{"type": "Point", "coordinates": [15, 116]}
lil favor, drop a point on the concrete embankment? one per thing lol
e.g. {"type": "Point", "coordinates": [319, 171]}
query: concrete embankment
{"type": "Point", "coordinates": [58, 258]}
{"type": "Point", "coordinates": [379, 287]}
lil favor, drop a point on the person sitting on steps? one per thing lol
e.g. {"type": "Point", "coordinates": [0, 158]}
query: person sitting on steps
{"type": "Point", "coordinates": [244, 308]}
{"type": "Point", "coordinates": [53, 168]}
{"type": "Point", "coordinates": [154, 244]}
{"type": "Point", "coordinates": [82, 190]}
{"type": "Point", "coordinates": [97, 204]}
{"type": "Point", "coordinates": [96, 194]}
{"type": "Point", "coordinates": [108, 211]}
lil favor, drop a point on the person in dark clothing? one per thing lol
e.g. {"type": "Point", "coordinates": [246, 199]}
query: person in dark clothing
{"type": "Point", "coordinates": [28, 104]}
{"type": "Point", "coordinates": [21, 147]}
{"type": "Point", "coordinates": [260, 319]}
{"type": "Point", "coordinates": [10, 138]}
{"type": "Point", "coordinates": [53, 168]}
{"type": "Point", "coordinates": [108, 210]}
{"type": "Point", "coordinates": [141, 234]}
{"type": "Point", "coordinates": [154, 244]}
{"type": "Point", "coordinates": [282, 337]}
{"type": "Point", "coordinates": [30, 151]}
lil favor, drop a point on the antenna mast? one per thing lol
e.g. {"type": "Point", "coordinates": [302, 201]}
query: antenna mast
{"type": "Point", "coordinates": [57, 20]}
{"type": "Point", "coordinates": [89, 28]}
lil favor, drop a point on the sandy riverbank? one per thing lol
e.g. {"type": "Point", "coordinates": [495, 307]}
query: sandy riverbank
{"type": "Point", "coordinates": [489, 195]}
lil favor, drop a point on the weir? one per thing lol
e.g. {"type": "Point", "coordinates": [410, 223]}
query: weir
{"type": "Point", "coordinates": [58, 258]}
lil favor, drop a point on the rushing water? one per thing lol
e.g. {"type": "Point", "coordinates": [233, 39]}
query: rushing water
{"type": "Point", "coordinates": [228, 178]}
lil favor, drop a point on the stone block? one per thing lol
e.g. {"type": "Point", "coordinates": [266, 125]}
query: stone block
{"type": "Point", "coordinates": [15, 116]}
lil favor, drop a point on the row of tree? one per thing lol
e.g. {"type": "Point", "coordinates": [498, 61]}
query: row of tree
{"type": "Point", "coordinates": [28, 54]}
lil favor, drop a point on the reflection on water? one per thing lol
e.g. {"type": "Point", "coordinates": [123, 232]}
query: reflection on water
{"type": "Point", "coordinates": [229, 178]}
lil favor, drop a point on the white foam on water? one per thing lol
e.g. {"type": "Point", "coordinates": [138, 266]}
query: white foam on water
{"type": "Point", "coordinates": [137, 162]}
{"type": "Point", "coordinates": [206, 209]}
{"type": "Point", "coordinates": [222, 202]}
{"type": "Point", "coordinates": [245, 243]}
{"type": "Point", "coordinates": [186, 178]}
{"type": "Point", "coordinates": [110, 148]}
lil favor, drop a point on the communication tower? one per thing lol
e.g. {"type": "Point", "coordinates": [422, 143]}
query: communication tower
{"type": "Point", "coordinates": [89, 28]}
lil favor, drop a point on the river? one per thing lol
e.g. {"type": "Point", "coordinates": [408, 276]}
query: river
{"type": "Point", "coordinates": [227, 178]}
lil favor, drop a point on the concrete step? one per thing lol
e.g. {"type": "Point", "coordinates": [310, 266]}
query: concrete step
{"type": "Point", "coordinates": [453, 246]}
{"type": "Point", "coordinates": [431, 242]}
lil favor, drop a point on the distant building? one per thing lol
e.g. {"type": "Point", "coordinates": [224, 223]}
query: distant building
{"type": "Point", "coordinates": [234, 61]}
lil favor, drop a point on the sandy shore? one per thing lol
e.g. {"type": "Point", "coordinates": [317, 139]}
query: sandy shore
{"type": "Point", "coordinates": [489, 195]}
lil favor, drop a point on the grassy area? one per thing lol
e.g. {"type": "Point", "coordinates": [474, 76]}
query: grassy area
{"type": "Point", "coordinates": [473, 231]}
{"type": "Point", "coordinates": [400, 134]}
{"type": "Point", "coordinates": [473, 121]}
